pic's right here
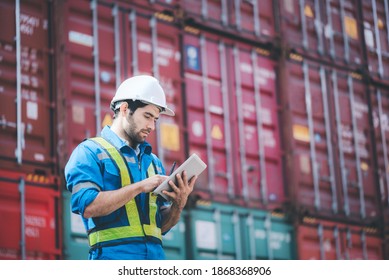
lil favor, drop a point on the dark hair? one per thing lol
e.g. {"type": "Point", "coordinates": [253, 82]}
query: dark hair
{"type": "Point", "coordinates": [132, 105]}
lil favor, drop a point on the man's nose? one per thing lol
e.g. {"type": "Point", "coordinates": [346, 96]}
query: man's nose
{"type": "Point", "coordinates": [151, 125]}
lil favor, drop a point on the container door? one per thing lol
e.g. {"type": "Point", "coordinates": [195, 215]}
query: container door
{"type": "Point", "coordinates": [26, 118]}
{"type": "Point", "coordinates": [29, 217]}
{"type": "Point", "coordinates": [255, 129]}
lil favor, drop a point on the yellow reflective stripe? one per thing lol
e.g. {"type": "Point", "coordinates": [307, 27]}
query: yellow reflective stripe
{"type": "Point", "coordinates": [152, 229]}
{"type": "Point", "coordinates": [135, 228]}
{"type": "Point", "coordinates": [113, 152]}
{"type": "Point", "coordinates": [114, 234]}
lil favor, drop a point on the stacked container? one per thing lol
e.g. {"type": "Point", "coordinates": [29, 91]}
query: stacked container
{"type": "Point", "coordinates": [376, 31]}
{"type": "Point", "coordinates": [30, 199]}
{"type": "Point", "coordinates": [331, 149]}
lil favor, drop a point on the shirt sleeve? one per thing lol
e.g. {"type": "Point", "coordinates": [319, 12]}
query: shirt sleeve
{"type": "Point", "coordinates": [83, 177]}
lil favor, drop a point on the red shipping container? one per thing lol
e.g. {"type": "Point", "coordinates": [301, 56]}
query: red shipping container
{"type": "Point", "coordinates": [376, 31]}
{"type": "Point", "coordinates": [103, 45]}
{"type": "Point", "coordinates": [230, 92]}
{"type": "Point", "coordinates": [327, 30]}
{"type": "Point", "coordinates": [380, 116]}
{"type": "Point", "coordinates": [29, 205]}
{"type": "Point", "coordinates": [329, 146]}
{"type": "Point", "coordinates": [327, 240]}
{"type": "Point", "coordinates": [252, 20]}
{"type": "Point", "coordinates": [258, 168]}
{"type": "Point", "coordinates": [26, 105]}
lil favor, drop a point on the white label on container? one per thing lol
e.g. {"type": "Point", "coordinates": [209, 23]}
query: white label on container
{"type": "Point", "coordinates": [39, 157]}
{"type": "Point", "coordinates": [205, 234]}
{"type": "Point", "coordinates": [78, 114]}
{"type": "Point", "coordinates": [369, 38]}
{"type": "Point", "coordinates": [144, 47]}
{"type": "Point", "coordinates": [32, 110]}
{"type": "Point", "coordinates": [81, 38]}
{"type": "Point", "coordinates": [197, 128]}
{"type": "Point", "coordinates": [288, 4]}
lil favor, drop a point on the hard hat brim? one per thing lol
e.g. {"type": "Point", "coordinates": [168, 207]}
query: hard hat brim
{"type": "Point", "coordinates": [167, 111]}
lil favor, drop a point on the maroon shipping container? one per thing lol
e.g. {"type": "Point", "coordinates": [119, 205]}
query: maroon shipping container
{"type": "Point", "coordinates": [233, 120]}
{"type": "Point", "coordinates": [376, 32]}
{"type": "Point", "coordinates": [327, 240]}
{"type": "Point", "coordinates": [380, 113]}
{"type": "Point", "coordinates": [253, 20]}
{"type": "Point", "coordinates": [328, 141]}
{"type": "Point", "coordinates": [29, 217]}
{"type": "Point", "coordinates": [26, 108]}
{"type": "Point", "coordinates": [101, 45]}
{"type": "Point", "coordinates": [327, 30]}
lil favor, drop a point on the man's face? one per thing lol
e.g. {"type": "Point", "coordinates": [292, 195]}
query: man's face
{"type": "Point", "coordinates": [139, 124]}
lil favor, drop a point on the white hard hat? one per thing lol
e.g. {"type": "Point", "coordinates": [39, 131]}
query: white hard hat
{"type": "Point", "coordinates": [143, 88]}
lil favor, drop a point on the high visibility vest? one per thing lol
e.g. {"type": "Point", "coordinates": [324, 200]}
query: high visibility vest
{"type": "Point", "coordinates": [135, 227]}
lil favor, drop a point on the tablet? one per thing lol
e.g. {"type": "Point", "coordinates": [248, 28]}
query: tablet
{"type": "Point", "coordinates": [193, 166]}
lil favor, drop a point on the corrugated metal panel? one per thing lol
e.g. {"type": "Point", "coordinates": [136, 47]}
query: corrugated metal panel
{"type": "Point", "coordinates": [225, 231]}
{"type": "Point", "coordinates": [26, 120]}
{"type": "Point", "coordinates": [326, 240]}
{"type": "Point", "coordinates": [330, 157]}
{"type": "Point", "coordinates": [231, 93]}
{"type": "Point", "coordinates": [104, 45]}
{"type": "Point", "coordinates": [380, 117]}
{"type": "Point", "coordinates": [255, 128]}
{"type": "Point", "coordinates": [29, 217]}
{"type": "Point", "coordinates": [376, 32]}
{"type": "Point", "coordinates": [207, 104]}
{"type": "Point", "coordinates": [328, 30]}
{"type": "Point", "coordinates": [253, 20]}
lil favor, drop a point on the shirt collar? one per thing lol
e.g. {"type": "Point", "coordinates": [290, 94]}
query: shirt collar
{"type": "Point", "coordinates": [119, 143]}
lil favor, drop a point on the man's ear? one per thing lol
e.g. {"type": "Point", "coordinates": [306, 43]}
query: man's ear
{"type": "Point", "coordinates": [123, 107]}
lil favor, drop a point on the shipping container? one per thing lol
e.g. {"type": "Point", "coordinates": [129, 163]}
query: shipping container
{"type": "Point", "coordinates": [232, 120]}
{"type": "Point", "coordinates": [328, 141]}
{"type": "Point", "coordinates": [380, 117]}
{"type": "Point", "coordinates": [376, 33]}
{"type": "Point", "coordinates": [248, 20]}
{"type": "Point", "coordinates": [329, 31]}
{"type": "Point", "coordinates": [75, 241]}
{"type": "Point", "coordinates": [175, 241]}
{"type": "Point", "coordinates": [225, 231]}
{"type": "Point", "coordinates": [26, 97]}
{"type": "Point", "coordinates": [326, 240]}
{"type": "Point", "coordinates": [30, 217]}
{"type": "Point", "coordinates": [99, 45]}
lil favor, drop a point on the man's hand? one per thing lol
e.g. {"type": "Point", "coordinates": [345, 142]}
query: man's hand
{"type": "Point", "coordinates": [149, 184]}
{"type": "Point", "coordinates": [179, 194]}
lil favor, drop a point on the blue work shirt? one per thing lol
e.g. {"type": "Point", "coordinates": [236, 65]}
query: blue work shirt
{"type": "Point", "coordinates": [91, 170]}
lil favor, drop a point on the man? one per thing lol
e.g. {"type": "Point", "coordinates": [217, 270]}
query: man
{"type": "Point", "coordinates": [112, 178]}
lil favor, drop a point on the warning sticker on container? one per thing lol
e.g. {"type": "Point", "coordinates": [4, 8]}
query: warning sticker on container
{"type": "Point", "coordinates": [107, 120]}
{"type": "Point", "coordinates": [301, 133]}
{"type": "Point", "coordinates": [170, 136]}
{"type": "Point", "coordinates": [217, 132]}
{"type": "Point", "coordinates": [308, 11]}
{"type": "Point", "coordinates": [351, 27]}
